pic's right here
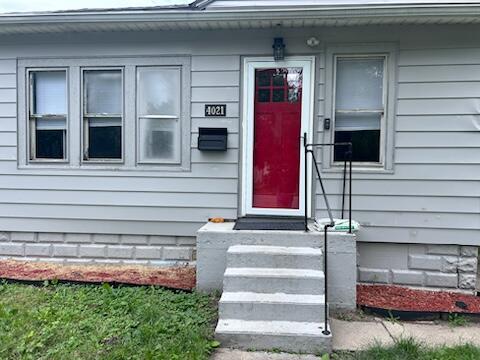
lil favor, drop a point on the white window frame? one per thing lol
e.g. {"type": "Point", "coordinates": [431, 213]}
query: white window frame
{"type": "Point", "coordinates": [31, 117]}
{"type": "Point", "coordinates": [387, 120]}
{"type": "Point", "coordinates": [368, 111]}
{"type": "Point", "coordinates": [138, 116]}
{"type": "Point", "coordinates": [86, 116]}
{"type": "Point", "coordinates": [75, 129]}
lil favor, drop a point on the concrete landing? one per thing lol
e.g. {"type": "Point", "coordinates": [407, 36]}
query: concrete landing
{"type": "Point", "coordinates": [214, 239]}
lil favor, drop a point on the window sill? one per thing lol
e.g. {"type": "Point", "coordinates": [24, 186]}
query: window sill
{"type": "Point", "coordinates": [47, 162]}
{"type": "Point", "coordinates": [359, 169]}
{"type": "Point", "coordinates": [110, 167]}
{"type": "Point", "coordinates": [154, 164]}
{"type": "Point", "coordinates": [100, 162]}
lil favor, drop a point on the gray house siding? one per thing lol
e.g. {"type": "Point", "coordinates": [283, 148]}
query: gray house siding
{"type": "Point", "coordinates": [433, 193]}
{"type": "Point", "coordinates": [125, 201]}
{"type": "Point", "coordinates": [431, 196]}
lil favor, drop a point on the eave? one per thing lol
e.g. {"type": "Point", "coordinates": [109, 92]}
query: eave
{"type": "Point", "coordinates": [196, 19]}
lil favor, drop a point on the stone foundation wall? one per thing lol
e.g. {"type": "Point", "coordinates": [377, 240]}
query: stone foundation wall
{"type": "Point", "coordinates": [97, 248]}
{"type": "Point", "coordinates": [438, 266]}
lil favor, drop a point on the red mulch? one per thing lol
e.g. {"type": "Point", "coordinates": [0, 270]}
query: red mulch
{"type": "Point", "coordinates": [180, 277]}
{"type": "Point", "coordinates": [401, 298]}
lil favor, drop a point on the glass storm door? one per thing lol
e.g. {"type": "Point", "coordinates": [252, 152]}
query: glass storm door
{"type": "Point", "coordinates": [279, 114]}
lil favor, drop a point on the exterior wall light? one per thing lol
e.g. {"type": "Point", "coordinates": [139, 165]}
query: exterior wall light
{"type": "Point", "coordinates": [278, 49]}
{"type": "Point", "coordinates": [313, 42]}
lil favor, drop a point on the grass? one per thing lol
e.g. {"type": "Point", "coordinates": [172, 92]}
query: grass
{"type": "Point", "coordinates": [100, 322]}
{"type": "Point", "coordinates": [409, 349]}
{"type": "Point", "coordinates": [391, 318]}
{"type": "Point", "coordinates": [455, 320]}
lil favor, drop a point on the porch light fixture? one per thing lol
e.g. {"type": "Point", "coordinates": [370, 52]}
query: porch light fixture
{"type": "Point", "coordinates": [278, 49]}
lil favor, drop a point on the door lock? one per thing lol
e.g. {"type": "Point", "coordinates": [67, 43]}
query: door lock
{"type": "Point", "coordinates": [326, 124]}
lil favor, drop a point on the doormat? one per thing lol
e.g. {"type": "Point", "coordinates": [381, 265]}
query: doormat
{"type": "Point", "coordinates": [269, 223]}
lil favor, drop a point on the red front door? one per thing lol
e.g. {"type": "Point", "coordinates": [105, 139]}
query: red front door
{"type": "Point", "coordinates": [277, 138]}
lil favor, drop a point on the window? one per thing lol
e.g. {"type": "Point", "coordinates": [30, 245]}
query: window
{"type": "Point", "coordinates": [359, 106]}
{"type": "Point", "coordinates": [102, 114]}
{"type": "Point", "coordinates": [47, 114]}
{"type": "Point", "coordinates": [158, 112]}
{"type": "Point", "coordinates": [117, 113]}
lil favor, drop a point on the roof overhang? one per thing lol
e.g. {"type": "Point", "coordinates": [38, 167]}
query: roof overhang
{"type": "Point", "coordinates": [194, 18]}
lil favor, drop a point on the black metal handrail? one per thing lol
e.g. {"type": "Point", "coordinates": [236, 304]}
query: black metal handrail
{"type": "Point", "coordinates": [309, 149]}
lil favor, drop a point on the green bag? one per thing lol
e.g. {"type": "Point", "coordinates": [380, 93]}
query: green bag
{"type": "Point", "coordinates": [341, 225]}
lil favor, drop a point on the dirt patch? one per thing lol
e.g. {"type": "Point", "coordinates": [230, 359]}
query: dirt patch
{"type": "Point", "coordinates": [176, 277]}
{"type": "Point", "coordinates": [351, 315]}
{"type": "Point", "coordinates": [405, 299]}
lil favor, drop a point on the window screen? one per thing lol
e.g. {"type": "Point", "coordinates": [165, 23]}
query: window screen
{"type": "Point", "coordinates": [359, 107]}
{"type": "Point", "coordinates": [158, 96]}
{"type": "Point", "coordinates": [102, 114]}
{"type": "Point", "coordinates": [47, 114]}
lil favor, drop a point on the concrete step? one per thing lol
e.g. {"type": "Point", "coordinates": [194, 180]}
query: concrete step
{"type": "Point", "coordinates": [278, 306]}
{"type": "Point", "coordinates": [274, 257]}
{"type": "Point", "coordinates": [268, 280]}
{"type": "Point", "coordinates": [290, 336]}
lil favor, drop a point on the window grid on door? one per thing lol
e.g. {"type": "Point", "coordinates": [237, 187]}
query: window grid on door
{"type": "Point", "coordinates": [272, 85]}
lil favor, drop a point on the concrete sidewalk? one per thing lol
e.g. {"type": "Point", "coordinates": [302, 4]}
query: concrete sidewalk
{"type": "Point", "coordinates": [358, 335]}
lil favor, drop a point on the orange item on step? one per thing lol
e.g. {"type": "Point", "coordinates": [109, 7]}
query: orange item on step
{"type": "Point", "coordinates": [217, 220]}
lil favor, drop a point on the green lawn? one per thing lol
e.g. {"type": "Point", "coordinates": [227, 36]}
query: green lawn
{"type": "Point", "coordinates": [101, 322]}
{"type": "Point", "coordinates": [409, 349]}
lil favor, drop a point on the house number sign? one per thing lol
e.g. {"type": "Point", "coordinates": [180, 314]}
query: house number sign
{"type": "Point", "coordinates": [216, 110]}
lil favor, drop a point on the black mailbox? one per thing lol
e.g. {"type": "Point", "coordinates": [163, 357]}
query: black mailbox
{"type": "Point", "coordinates": [212, 139]}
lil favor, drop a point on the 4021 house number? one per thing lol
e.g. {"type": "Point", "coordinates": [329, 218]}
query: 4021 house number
{"type": "Point", "coordinates": [215, 110]}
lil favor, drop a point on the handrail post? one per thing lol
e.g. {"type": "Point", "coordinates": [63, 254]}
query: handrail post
{"type": "Point", "coordinates": [325, 273]}
{"type": "Point", "coordinates": [305, 161]}
{"type": "Point", "coordinates": [350, 153]}
{"type": "Point", "coordinates": [307, 150]}
{"type": "Point", "coordinates": [344, 186]}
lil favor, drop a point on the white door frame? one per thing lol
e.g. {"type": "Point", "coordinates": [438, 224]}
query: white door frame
{"type": "Point", "coordinates": [249, 66]}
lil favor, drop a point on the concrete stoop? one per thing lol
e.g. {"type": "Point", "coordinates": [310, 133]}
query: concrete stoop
{"type": "Point", "coordinates": [273, 298]}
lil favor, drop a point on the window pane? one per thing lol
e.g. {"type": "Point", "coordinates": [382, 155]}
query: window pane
{"type": "Point", "coordinates": [104, 138]}
{"type": "Point", "coordinates": [263, 95]}
{"type": "Point", "coordinates": [103, 91]}
{"type": "Point", "coordinates": [50, 124]}
{"type": "Point", "coordinates": [49, 92]}
{"type": "Point", "coordinates": [357, 121]}
{"type": "Point", "coordinates": [294, 82]}
{"type": "Point", "coordinates": [359, 83]}
{"type": "Point", "coordinates": [263, 77]}
{"type": "Point", "coordinates": [278, 95]}
{"type": "Point", "coordinates": [159, 140]}
{"type": "Point", "coordinates": [366, 145]}
{"type": "Point", "coordinates": [279, 79]}
{"type": "Point", "coordinates": [158, 91]}
{"type": "Point", "coordinates": [49, 144]}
